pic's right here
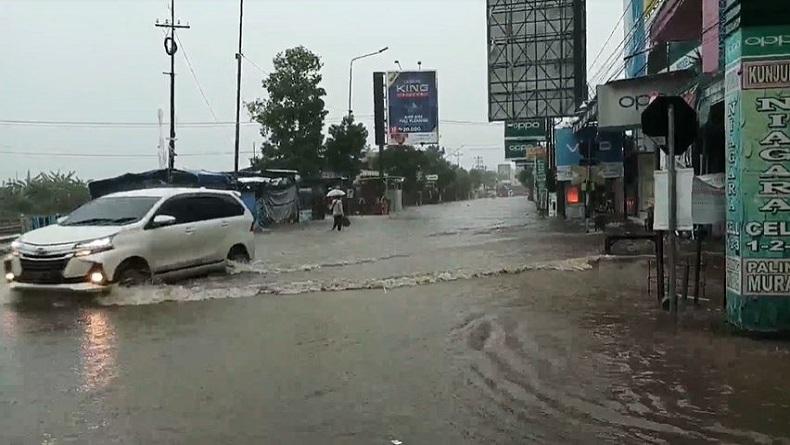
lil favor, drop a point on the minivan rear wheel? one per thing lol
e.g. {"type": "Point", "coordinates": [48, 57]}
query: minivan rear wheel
{"type": "Point", "coordinates": [133, 273]}
{"type": "Point", "coordinates": [238, 254]}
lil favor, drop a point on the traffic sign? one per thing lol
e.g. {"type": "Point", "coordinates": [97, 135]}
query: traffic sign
{"type": "Point", "coordinates": [655, 121]}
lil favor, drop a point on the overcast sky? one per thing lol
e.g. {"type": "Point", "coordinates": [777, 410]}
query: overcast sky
{"type": "Point", "coordinates": [102, 61]}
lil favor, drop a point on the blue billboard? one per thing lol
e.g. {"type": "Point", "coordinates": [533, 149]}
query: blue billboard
{"type": "Point", "coordinates": [567, 147]}
{"type": "Point", "coordinates": [610, 148]}
{"type": "Point", "coordinates": [610, 155]}
{"type": "Point", "coordinates": [413, 104]}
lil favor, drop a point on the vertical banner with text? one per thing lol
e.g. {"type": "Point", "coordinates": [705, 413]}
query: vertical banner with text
{"type": "Point", "coordinates": [757, 122]}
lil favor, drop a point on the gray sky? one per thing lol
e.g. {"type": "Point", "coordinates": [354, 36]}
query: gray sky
{"type": "Point", "coordinates": [102, 61]}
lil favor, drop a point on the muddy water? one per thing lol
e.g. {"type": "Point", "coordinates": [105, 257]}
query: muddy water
{"type": "Point", "coordinates": [439, 326]}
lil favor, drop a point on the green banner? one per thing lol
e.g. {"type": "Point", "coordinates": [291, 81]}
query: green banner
{"type": "Point", "coordinates": [532, 130]}
{"type": "Point", "coordinates": [757, 124]}
{"type": "Point", "coordinates": [523, 150]}
{"type": "Point", "coordinates": [541, 191]}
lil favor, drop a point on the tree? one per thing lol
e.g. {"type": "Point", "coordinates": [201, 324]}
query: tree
{"type": "Point", "coordinates": [483, 177]}
{"type": "Point", "coordinates": [525, 178]}
{"type": "Point", "coordinates": [292, 117]}
{"type": "Point", "coordinates": [344, 147]}
{"type": "Point", "coordinates": [404, 161]}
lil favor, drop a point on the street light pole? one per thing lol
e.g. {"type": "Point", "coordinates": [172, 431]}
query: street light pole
{"type": "Point", "coordinates": [351, 74]}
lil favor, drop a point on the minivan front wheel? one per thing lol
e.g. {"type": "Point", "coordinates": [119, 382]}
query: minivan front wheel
{"type": "Point", "coordinates": [133, 273]}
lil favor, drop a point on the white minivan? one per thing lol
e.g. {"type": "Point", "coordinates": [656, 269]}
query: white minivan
{"type": "Point", "coordinates": [134, 237]}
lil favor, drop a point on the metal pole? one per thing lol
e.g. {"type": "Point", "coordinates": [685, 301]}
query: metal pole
{"type": "Point", "coordinates": [351, 74]}
{"type": "Point", "coordinates": [350, 84]}
{"type": "Point", "coordinates": [698, 264]}
{"type": "Point", "coordinates": [659, 241]}
{"type": "Point", "coordinates": [171, 48]}
{"type": "Point", "coordinates": [381, 161]}
{"type": "Point", "coordinates": [671, 180]}
{"type": "Point", "coordinates": [588, 190]}
{"type": "Point", "coordinates": [238, 89]}
{"type": "Point", "coordinates": [172, 152]}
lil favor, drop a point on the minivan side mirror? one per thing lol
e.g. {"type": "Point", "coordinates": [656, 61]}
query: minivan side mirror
{"type": "Point", "coordinates": [163, 220]}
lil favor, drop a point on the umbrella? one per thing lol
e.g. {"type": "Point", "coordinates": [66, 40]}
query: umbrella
{"type": "Point", "coordinates": [335, 193]}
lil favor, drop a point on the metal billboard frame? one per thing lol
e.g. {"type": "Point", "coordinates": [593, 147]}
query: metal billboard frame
{"type": "Point", "coordinates": [536, 58]}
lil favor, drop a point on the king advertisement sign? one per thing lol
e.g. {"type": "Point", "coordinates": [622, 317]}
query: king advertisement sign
{"type": "Point", "coordinates": [413, 104]}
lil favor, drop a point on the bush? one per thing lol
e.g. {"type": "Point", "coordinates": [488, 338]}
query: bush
{"type": "Point", "coordinates": [45, 194]}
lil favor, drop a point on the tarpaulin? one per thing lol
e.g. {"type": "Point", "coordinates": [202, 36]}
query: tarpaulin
{"type": "Point", "coordinates": [158, 178]}
{"type": "Point", "coordinates": [275, 206]}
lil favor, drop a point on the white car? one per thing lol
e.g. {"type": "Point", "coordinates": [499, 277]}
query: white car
{"type": "Point", "coordinates": [134, 237]}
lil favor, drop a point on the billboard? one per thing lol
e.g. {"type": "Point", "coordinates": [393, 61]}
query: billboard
{"type": "Point", "coordinates": [522, 139]}
{"type": "Point", "coordinates": [621, 103]}
{"type": "Point", "coordinates": [532, 130]}
{"type": "Point", "coordinates": [413, 105]}
{"type": "Point", "coordinates": [536, 58]}
{"type": "Point", "coordinates": [504, 172]}
{"type": "Point", "coordinates": [516, 150]}
{"type": "Point", "coordinates": [610, 155]}
{"type": "Point", "coordinates": [568, 152]}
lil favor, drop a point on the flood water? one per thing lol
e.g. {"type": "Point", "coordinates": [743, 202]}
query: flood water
{"type": "Point", "coordinates": [462, 323]}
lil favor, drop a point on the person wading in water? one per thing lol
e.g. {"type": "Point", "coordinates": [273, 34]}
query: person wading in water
{"type": "Point", "coordinates": [337, 213]}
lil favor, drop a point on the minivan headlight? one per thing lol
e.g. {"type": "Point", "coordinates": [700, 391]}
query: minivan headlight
{"type": "Point", "coordinates": [15, 247]}
{"type": "Point", "coordinates": [95, 246]}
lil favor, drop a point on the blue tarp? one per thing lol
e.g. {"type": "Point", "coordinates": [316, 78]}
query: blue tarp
{"type": "Point", "coordinates": [158, 178]}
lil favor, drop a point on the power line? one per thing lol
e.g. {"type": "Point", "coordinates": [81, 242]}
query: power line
{"type": "Point", "coordinates": [194, 77]}
{"type": "Point", "coordinates": [111, 124]}
{"type": "Point", "coordinates": [110, 155]}
{"type": "Point", "coordinates": [614, 30]}
{"type": "Point", "coordinates": [621, 46]}
{"type": "Point", "coordinates": [254, 64]}
{"type": "Point", "coordinates": [195, 124]}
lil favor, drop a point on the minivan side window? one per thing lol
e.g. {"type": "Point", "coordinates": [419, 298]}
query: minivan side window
{"type": "Point", "coordinates": [188, 209]}
{"type": "Point", "coordinates": [214, 207]}
{"type": "Point", "coordinates": [183, 208]}
{"type": "Point", "coordinates": [231, 207]}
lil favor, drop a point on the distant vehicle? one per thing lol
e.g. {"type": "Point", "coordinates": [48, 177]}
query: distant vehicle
{"type": "Point", "coordinates": [130, 238]}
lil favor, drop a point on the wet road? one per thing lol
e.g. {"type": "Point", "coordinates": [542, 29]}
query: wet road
{"type": "Point", "coordinates": [462, 323]}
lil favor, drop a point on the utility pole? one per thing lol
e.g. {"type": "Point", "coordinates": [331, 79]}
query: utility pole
{"type": "Point", "coordinates": [238, 89]}
{"type": "Point", "coordinates": [171, 48]}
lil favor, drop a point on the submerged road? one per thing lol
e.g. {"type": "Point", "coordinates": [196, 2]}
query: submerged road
{"type": "Point", "coordinates": [463, 323]}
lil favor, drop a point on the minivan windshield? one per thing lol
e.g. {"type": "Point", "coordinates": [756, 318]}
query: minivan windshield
{"type": "Point", "coordinates": [111, 211]}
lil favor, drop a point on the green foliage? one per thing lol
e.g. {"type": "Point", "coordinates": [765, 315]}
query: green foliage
{"type": "Point", "coordinates": [403, 160]}
{"type": "Point", "coordinates": [483, 177]}
{"type": "Point", "coordinates": [406, 161]}
{"type": "Point", "coordinates": [46, 194]}
{"type": "Point", "coordinates": [292, 116]}
{"type": "Point", "coordinates": [525, 178]}
{"type": "Point", "coordinates": [344, 147]}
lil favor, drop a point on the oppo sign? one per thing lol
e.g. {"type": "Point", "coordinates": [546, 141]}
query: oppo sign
{"type": "Point", "coordinates": [532, 125]}
{"type": "Point", "coordinates": [621, 102]}
{"type": "Point", "coordinates": [764, 41]}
